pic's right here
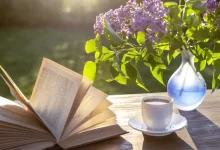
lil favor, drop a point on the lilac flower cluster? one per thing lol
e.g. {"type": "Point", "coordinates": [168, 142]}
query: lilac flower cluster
{"type": "Point", "coordinates": [211, 5]}
{"type": "Point", "coordinates": [131, 18]}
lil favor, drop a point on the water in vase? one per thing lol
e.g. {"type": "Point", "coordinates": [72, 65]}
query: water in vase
{"type": "Point", "coordinates": [186, 86]}
{"type": "Point", "coordinates": [186, 100]}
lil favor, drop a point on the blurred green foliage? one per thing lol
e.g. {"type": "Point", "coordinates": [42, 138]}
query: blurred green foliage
{"type": "Point", "coordinates": [53, 12]}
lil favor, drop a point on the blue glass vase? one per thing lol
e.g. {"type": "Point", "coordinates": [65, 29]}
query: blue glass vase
{"type": "Point", "coordinates": [186, 86]}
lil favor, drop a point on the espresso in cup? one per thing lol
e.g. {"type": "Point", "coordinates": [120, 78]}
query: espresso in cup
{"type": "Point", "coordinates": [157, 112]}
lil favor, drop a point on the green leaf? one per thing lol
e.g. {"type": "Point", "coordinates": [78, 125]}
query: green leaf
{"type": "Point", "coordinates": [150, 62]}
{"type": "Point", "coordinates": [215, 83]}
{"type": "Point", "coordinates": [174, 11]}
{"type": "Point", "coordinates": [114, 72]}
{"type": "Point", "coordinates": [175, 54]}
{"type": "Point", "coordinates": [106, 57]}
{"type": "Point", "coordinates": [161, 48]}
{"type": "Point", "coordinates": [141, 37]}
{"type": "Point", "coordinates": [196, 21]}
{"type": "Point", "coordinates": [157, 59]}
{"type": "Point", "coordinates": [111, 35]}
{"type": "Point", "coordinates": [169, 58]}
{"type": "Point", "coordinates": [129, 56]}
{"type": "Point", "coordinates": [158, 74]}
{"type": "Point", "coordinates": [190, 32]}
{"type": "Point", "coordinates": [117, 67]}
{"type": "Point", "coordinates": [174, 14]}
{"type": "Point", "coordinates": [218, 77]}
{"type": "Point", "coordinates": [172, 54]}
{"type": "Point", "coordinates": [129, 70]}
{"type": "Point", "coordinates": [106, 54]}
{"type": "Point", "coordinates": [121, 79]}
{"type": "Point", "coordinates": [118, 77]}
{"type": "Point", "coordinates": [199, 7]}
{"type": "Point", "coordinates": [200, 49]}
{"type": "Point", "coordinates": [209, 57]}
{"type": "Point", "coordinates": [90, 70]}
{"type": "Point", "coordinates": [97, 55]}
{"type": "Point", "coordinates": [215, 56]}
{"type": "Point", "coordinates": [163, 44]}
{"type": "Point", "coordinates": [170, 4]}
{"type": "Point", "coordinates": [132, 52]}
{"type": "Point", "coordinates": [139, 80]}
{"type": "Point", "coordinates": [202, 65]}
{"type": "Point", "coordinates": [196, 60]}
{"type": "Point", "coordinates": [175, 44]}
{"type": "Point", "coordinates": [162, 66]}
{"type": "Point", "coordinates": [105, 50]}
{"type": "Point", "coordinates": [93, 45]}
{"type": "Point", "coordinates": [188, 16]}
{"type": "Point", "coordinates": [209, 62]}
{"type": "Point", "coordinates": [204, 54]}
{"type": "Point", "coordinates": [200, 34]}
{"type": "Point", "coordinates": [106, 70]}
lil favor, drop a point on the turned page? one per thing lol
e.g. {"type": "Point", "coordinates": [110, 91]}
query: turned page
{"type": "Point", "coordinates": [15, 91]}
{"type": "Point", "coordinates": [97, 116]}
{"type": "Point", "coordinates": [105, 130]}
{"type": "Point", "coordinates": [90, 101]}
{"type": "Point", "coordinates": [53, 95]}
{"type": "Point", "coordinates": [14, 114]}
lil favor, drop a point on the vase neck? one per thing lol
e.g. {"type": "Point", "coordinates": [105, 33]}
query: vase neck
{"type": "Point", "coordinates": [188, 57]}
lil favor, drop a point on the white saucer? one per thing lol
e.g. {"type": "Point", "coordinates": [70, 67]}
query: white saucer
{"type": "Point", "coordinates": [178, 122]}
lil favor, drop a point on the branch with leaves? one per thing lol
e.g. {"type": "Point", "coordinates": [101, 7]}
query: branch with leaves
{"type": "Point", "coordinates": [146, 32]}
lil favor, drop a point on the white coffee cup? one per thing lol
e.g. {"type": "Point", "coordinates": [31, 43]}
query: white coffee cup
{"type": "Point", "coordinates": [157, 112]}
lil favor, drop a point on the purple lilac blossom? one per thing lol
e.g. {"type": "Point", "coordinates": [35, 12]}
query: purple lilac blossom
{"type": "Point", "coordinates": [211, 5]}
{"type": "Point", "coordinates": [150, 19]}
{"type": "Point", "coordinates": [98, 27]}
{"type": "Point", "coordinates": [131, 18]}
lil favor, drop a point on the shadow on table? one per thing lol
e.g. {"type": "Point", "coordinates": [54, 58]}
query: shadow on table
{"type": "Point", "coordinates": [117, 143]}
{"type": "Point", "coordinates": [203, 131]}
{"type": "Point", "coordinates": [170, 142]}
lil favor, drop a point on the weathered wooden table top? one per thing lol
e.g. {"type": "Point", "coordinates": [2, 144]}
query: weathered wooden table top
{"type": "Point", "coordinates": [202, 132]}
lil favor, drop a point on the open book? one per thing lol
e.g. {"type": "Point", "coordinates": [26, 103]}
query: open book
{"type": "Point", "coordinates": [64, 109]}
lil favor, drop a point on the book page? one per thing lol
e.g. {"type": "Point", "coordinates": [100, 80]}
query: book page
{"type": "Point", "coordinates": [90, 101]}
{"type": "Point", "coordinates": [53, 95]}
{"type": "Point", "coordinates": [91, 136]}
{"type": "Point", "coordinates": [15, 91]}
{"type": "Point", "coordinates": [12, 113]}
{"type": "Point", "coordinates": [99, 118]}
{"type": "Point", "coordinates": [18, 127]}
{"type": "Point", "coordinates": [35, 146]}
{"type": "Point", "coordinates": [27, 144]}
{"type": "Point", "coordinates": [109, 122]}
{"type": "Point", "coordinates": [102, 108]}
{"type": "Point", "coordinates": [84, 86]}
{"type": "Point", "coordinates": [100, 114]}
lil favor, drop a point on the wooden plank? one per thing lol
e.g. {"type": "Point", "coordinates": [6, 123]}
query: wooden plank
{"type": "Point", "coordinates": [126, 106]}
{"type": "Point", "coordinates": [204, 122]}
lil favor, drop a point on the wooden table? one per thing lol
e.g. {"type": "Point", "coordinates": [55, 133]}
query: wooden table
{"type": "Point", "coordinates": [202, 133]}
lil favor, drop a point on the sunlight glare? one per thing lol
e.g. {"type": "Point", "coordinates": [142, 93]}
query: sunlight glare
{"type": "Point", "coordinates": [79, 5]}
